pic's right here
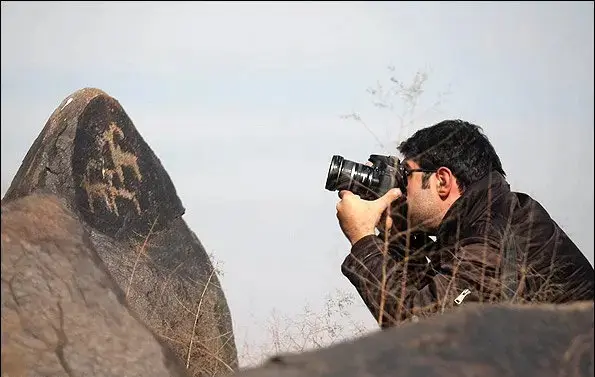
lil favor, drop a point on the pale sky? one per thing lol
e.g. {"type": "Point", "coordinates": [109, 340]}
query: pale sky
{"type": "Point", "coordinates": [242, 102]}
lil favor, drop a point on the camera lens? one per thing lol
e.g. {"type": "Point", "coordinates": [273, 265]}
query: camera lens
{"type": "Point", "coordinates": [333, 173]}
{"type": "Point", "coordinates": [346, 175]}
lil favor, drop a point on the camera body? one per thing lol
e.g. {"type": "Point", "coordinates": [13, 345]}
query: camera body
{"type": "Point", "coordinates": [372, 182]}
{"type": "Point", "coordinates": [369, 182]}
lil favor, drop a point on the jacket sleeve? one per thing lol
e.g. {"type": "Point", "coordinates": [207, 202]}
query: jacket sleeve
{"type": "Point", "coordinates": [396, 286]}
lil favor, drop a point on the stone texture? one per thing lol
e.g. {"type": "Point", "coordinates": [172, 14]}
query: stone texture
{"type": "Point", "coordinates": [91, 155]}
{"type": "Point", "coordinates": [62, 313]}
{"type": "Point", "coordinates": [482, 341]}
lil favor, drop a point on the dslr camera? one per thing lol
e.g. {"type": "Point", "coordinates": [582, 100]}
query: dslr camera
{"type": "Point", "coordinates": [372, 182]}
{"type": "Point", "coordinates": [369, 182]}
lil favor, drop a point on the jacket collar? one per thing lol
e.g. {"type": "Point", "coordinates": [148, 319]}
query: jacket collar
{"type": "Point", "coordinates": [472, 205]}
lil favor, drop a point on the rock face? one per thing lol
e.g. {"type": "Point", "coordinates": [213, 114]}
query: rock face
{"type": "Point", "coordinates": [62, 313]}
{"type": "Point", "coordinates": [91, 155]}
{"type": "Point", "coordinates": [488, 341]}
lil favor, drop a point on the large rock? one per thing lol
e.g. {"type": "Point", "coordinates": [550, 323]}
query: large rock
{"type": "Point", "coordinates": [483, 341]}
{"type": "Point", "coordinates": [62, 313]}
{"type": "Point", "coordinates": [91, 155]}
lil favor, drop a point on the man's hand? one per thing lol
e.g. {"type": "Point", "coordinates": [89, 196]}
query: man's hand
{"type": "Point", "coordinates": [359, 218]}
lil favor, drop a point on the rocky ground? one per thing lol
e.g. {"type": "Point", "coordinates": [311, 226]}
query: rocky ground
{"type": "Point", "coordinates": [101, 276]}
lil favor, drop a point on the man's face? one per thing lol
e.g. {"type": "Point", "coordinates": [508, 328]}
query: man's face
{"type": "Point", "coordinates": [422, 200]}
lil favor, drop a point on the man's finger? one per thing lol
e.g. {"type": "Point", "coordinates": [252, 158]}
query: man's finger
{"type": "Point", "coordinates": [342, 193]}
{"type": "Point", "coordinates": [389, 197]}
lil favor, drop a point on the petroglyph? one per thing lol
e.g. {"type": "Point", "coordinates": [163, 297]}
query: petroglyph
{"type": "Point", "coordinates": [109, 193]}
{"type": "Point", "coordinates": [90, 157]}
{"type": "Point", "coordinates": [107, 190]}
{"type": "Point", "coordinates": [118, 156]}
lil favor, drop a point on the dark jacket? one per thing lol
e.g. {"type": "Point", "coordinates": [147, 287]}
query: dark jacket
{"type": "Point", "coordinates": [493, 245]}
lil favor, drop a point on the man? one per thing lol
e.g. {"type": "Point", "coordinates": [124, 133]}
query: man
{"type": "Point", "coordinates": [491, 244]}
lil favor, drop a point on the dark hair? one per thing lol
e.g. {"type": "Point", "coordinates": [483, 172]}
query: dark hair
{"type": "Point", "coordinates": [458, 145]}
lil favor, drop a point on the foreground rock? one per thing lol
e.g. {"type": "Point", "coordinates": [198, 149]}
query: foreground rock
{"type": "Point", "coordinates": [62, 314]}
{"type": "Point", "coordinates": [91, 155]}
{"type": "Point", "coordinates": [489, 341]}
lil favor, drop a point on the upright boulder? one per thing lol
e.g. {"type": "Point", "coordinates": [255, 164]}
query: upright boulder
{"type": "Point", "coordinates": [91, 155]}
{"type": "Point", "coordinates": [479, 340]}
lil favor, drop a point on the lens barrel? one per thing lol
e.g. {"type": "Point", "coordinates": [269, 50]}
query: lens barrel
{"type": "Point", "coordinates": [348, 175]}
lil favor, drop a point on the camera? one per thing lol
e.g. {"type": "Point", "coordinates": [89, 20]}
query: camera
{"type": "Point", "coordinates": [369, 182]}
{"type": "Point", "coordinates": [372, 182]}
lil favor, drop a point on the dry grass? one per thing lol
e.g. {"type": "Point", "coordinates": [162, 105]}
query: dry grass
{"type": "Point", "coordinates": [141, 251]}
{"type": "Point", "coordinates": [200, 300]}
{"type": "Point", "coordinates": [192, 332]}
{"type": "Point", "coordinates": [315, 329]}
{"type": "Point", "coordinates": [403, 101]}
{"type": "Point", "coordinates": [311, 328]}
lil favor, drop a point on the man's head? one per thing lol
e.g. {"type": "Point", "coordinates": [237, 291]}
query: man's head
{"type": "Point", "coordinates": [458, 154]}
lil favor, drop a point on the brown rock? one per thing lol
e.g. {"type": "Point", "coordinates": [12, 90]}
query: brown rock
{"type": "Point", "coordinates": [62, 313]}
{"type": "Point", "coordinates": [482, 341]}
{"type": "Point", "coordinates": [91, 155]}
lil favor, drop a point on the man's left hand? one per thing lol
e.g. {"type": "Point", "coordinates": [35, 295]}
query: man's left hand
{"type": "Point", "coordinates": [358, 217]}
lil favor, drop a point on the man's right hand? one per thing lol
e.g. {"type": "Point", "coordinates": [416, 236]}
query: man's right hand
{"type": "Point", "coordinates": [358, 217]}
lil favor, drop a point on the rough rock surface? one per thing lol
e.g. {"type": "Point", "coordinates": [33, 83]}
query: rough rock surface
{"type": "Point", "coordinates": [91, 155]}
{"type": "Point", "coordinates": [482, 341]}
{"type": "Point", "coordinates": [62, 313]}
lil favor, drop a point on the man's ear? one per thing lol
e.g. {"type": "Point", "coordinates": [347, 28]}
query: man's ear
{"type": "Point", "coordinates": [445, 182]}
